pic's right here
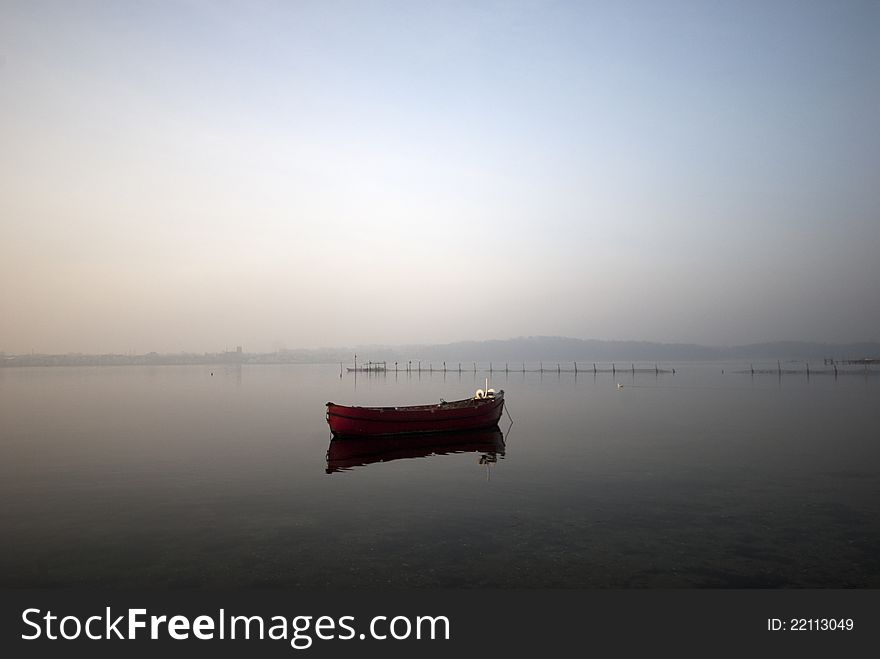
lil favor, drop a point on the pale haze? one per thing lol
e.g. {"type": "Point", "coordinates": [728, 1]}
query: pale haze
{"type": "Point", "coordinates": [199, 175]}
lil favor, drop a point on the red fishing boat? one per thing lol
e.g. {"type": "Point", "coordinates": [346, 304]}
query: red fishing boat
{"type": "Point", "coordinates": [481, 411]}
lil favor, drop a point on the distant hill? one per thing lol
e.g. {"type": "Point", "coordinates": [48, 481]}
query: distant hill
{"type": "Point", "coordinates": [557, 348]}
{"type": "Point", "coordinates": [554, 348]}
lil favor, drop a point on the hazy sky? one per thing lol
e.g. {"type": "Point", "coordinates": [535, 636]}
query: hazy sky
{"type": "Point", "coordinates": [195, 175]}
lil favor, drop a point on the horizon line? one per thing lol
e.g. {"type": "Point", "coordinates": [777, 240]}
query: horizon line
{"type": "Point", "coordinates": [385, 346]}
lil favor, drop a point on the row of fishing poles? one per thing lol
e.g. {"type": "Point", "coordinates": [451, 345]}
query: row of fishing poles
{"type": "Point", "coordinates": [382, 367]}
{"type": "Point", "coordinates": [409, 368]}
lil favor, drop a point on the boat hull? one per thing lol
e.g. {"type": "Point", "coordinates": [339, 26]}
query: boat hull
{"type": "Point", "coordinates": [469, 414]}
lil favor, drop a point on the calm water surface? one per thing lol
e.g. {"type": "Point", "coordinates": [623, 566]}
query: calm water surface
{"type": "Point", "coordinates": [173, 477]}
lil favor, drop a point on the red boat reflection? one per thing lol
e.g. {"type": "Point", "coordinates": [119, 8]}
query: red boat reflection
{"type": "Point", "coordinates": [347, 453]}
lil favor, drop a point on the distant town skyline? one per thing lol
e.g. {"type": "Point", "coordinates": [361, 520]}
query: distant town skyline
{"type": "Point", "coordinates": [184, 176]}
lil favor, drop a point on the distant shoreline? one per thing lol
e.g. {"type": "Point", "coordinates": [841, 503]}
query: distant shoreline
{"type": "Point", "coordinates": [508, 351]}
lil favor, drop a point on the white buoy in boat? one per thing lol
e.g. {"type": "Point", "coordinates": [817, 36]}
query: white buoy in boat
{"type": "Point", "coordinates": [490, 393]}
{"type": "Point", "coordinates": [480, 394]}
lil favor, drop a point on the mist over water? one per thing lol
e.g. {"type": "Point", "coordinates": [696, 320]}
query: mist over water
{"type": "Point", "coordinates": [197, 476]}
